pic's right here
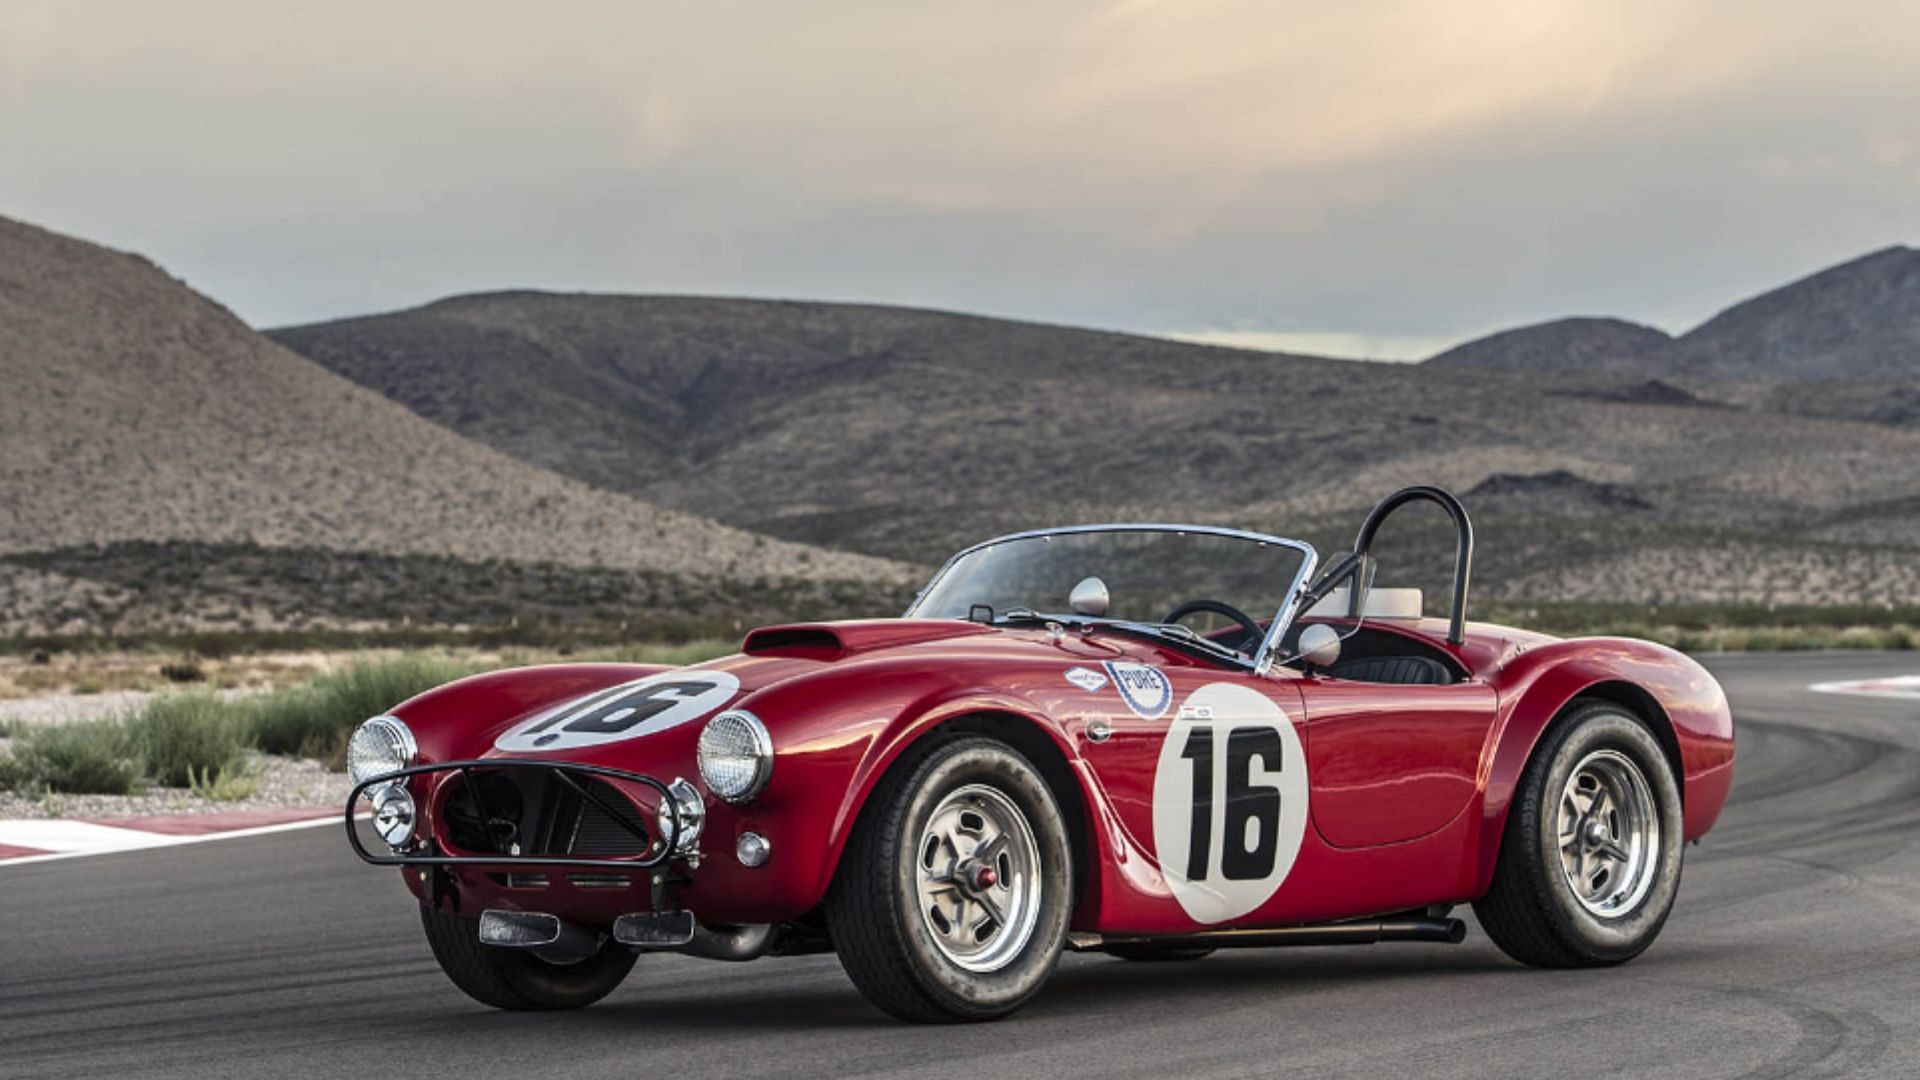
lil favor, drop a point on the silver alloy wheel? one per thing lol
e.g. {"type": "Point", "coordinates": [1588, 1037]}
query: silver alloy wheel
{"type": "Point", "coordinates": [1609, 833]}
{"type": "Point", "coordinates": [978, 869]}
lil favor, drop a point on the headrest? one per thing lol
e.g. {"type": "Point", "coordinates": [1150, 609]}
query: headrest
{"type": "Point", "coordinates": [1381, 604]}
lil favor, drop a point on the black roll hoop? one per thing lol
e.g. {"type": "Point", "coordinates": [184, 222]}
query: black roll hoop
{"type": "Point", "coordinates": [1463, 547]}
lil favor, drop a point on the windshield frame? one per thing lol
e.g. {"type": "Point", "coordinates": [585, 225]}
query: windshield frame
{"type": "Point", "coordinates": [1263, 658]}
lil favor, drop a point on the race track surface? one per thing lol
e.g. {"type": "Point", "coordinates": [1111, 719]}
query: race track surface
{"type": "Point", "coordinates": [1794, 949]}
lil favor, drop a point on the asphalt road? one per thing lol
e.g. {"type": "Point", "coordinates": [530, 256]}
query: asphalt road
{"type": "Point", "coordinates": [1794, 949]}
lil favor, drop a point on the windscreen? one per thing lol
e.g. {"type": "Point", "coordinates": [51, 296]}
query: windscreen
{"type": "Point", "coordinates": [1149, 575]}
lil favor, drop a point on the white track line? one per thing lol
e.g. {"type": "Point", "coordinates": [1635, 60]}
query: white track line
{"type": "Point", "coordinates": [82, 839]}
{"type": "Point", "coordinates": [1896, 686]}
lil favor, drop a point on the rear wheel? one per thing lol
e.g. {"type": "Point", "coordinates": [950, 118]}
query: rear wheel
{"type": "Point", "coordinates": [1590, 860]}
{"type": "Point", "coordinates": [516, 978]}
{"type": "Point", "coordinates": [953, 895]}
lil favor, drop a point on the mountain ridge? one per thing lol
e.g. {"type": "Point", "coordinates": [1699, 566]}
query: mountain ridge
{"type": "Point", "coordinates": [1857, 319]}
{"type": "Point", "coordinates": [139, 410]}
{"type": "Point", "coordinates": [908, 433]}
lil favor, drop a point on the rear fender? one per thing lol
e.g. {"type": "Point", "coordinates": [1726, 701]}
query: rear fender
{"type": "Point", "coordinates": [1677, 697]}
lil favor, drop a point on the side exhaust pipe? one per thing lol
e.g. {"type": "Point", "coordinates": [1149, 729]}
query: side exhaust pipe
{"type": "Point", "coordinates": [1359, 932]}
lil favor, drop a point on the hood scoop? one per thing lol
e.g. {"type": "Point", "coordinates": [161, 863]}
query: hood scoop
{"type": "Point", "coordinates": [833, 641]}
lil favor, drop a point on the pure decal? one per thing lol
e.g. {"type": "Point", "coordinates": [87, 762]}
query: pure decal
{"type": "Point", "coordinates": [623, 712]}
{"type": "Point", "coordinates": [1146, 690]}
{"type": "Point", "coordinates": [1086, 679]}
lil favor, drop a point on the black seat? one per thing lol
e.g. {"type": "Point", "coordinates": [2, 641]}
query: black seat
{"type": "Point", "coordinates": [1401, 670]}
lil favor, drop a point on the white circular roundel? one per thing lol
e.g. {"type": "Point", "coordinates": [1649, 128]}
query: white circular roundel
{"type": "Point", "coordinates": [622, 712]}
{"type": "Point", "coordinates": [1229, 802]}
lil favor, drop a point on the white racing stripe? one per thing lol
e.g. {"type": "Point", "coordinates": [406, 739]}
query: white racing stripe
{"type": "Point", "coordinates": [78, 839]}
{"type": "Point", "coordinates": [1896, 686]}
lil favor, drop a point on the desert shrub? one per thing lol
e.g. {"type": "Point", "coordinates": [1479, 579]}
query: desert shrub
{"type": "Point", "coordinates": [177, 734]}
{"type": "Point", "coordinates": [183, 671]}
{"type": "Point", "coordinates": [95, 757]}
{"type": "Point", "coordinates": [691, 652]}
{"type": "Point", "coordinates": [230, 784]}
{"type": "Point", "coordinates": [314, 720]}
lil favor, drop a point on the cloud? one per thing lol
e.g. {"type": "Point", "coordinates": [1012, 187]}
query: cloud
{"type": "Point", "coordinates": [1402, 171]}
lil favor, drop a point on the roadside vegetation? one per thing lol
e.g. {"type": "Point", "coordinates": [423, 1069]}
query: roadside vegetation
{"type": "Point", "coordinates": [1705, 628]}
{"type": "Point", "coordinates": [201, 740]}
{"type": "Point", "coordinates": [201, 733]}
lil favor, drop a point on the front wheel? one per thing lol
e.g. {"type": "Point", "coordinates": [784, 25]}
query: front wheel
{"type": "Point", "coordinates": [1590, 859]}
{"type": "Point", "coordinates": [954, 893]}
{"type": "Point", "coordinates": [516, 978]}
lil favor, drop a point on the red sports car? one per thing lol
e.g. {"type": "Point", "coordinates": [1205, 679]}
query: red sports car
{"type": "Point", "coordinates": [1046, 754]}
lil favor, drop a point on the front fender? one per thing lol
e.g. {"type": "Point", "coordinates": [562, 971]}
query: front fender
{"type": "Point", "coordinates": [836, 734]}
{"type": "Point", "coordinates": [1689, 713]}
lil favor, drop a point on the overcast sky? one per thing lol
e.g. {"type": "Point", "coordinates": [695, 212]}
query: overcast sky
{"type": "Point", "coordinates": [1358, 178]}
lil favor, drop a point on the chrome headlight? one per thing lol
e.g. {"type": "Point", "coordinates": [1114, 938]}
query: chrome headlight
{"type": "Point", "coordinates": [736, 755]}
{"type": "Point", "coordinates": [380, 746]}
{"type": "Point", "coordinates": [693, 815]}
{"type": "Point", "coordinates": [393, 814]}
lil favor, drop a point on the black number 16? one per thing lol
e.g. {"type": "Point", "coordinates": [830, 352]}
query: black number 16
{"type": "Point", "coordinates": [1246, 801]}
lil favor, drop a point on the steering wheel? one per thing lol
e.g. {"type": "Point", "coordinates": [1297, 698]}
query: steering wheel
{"type": "Point", "coordinates": [1225, 610]}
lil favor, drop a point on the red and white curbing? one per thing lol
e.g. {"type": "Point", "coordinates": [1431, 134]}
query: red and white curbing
{"type": "Point", "coordinates": [47, 839]}
{"type": "Point", "coordinates": [1897, 686]}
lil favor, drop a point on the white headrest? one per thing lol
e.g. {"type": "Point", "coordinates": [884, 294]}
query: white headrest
{"type": "Point", "coordinates": [1381, 604]}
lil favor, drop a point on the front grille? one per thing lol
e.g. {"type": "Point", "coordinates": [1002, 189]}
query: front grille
{"type": "Point", "coordinates": [600, 881]}
{"type": "Point", "coordinates": [596, 833]}
{"type": "Point", "coordinates": [538, 812]}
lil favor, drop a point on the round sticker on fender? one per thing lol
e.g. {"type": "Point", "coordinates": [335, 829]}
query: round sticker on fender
{"type": "Point", "coordinates": [622, 712]}
{"type": "Point", "coordinates": [1229, 802]}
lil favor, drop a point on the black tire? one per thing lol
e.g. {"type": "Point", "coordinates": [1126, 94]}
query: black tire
{"type": "Point", "coordinates": [873, 915]}
{"type": "Point", "coordinates": [516, 978]}
{"type": "Point", "coordinates": [1160, 954]}
{"type": "Point", "coordinates": [1532, 912]}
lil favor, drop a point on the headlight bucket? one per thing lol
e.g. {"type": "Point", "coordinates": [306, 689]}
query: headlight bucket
{"type": "Point", "coordinates": [380, 746]}
{"type": "Point", "coordinates": [736, 755]}
{"type": "Point", "coordinates": [693, 817]}
{"type": "Point", "coordinates": [393, 815]}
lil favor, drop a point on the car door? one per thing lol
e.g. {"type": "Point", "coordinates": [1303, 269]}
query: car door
{"type": "Point", "coordinates": [1207, 770]}
{"type": "Point", "coordinates": [1389, 763]}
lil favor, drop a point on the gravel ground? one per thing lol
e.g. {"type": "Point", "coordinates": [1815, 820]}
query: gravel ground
{"type": "Point", "coordinates": [283, 782]}
{"type": "Point", "coordinates": [66, 708]}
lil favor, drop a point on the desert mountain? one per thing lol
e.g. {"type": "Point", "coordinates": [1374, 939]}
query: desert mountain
{"type": "Point", "coordinates": [905, 433]}
{"type": "Point", "coordinates": [1563, 345]}
{"type": "Point", "coordinates": [1859, 320]}
{"type": "Point", "coordinates": [137, 410]}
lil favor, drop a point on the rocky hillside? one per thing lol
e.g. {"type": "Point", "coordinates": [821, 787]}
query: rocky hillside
{"type": "Point", "coordinates": [137, 410]}
{"type": "Point", "coordinates": [906, 433]}
{"type": "Point", "coordinates": [1563, 345]}
{"type": "Point", "coordinates": [1859, 320]}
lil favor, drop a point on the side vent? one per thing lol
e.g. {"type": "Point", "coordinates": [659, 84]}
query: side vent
{"type": "Point", "coordinates": [803, 642]}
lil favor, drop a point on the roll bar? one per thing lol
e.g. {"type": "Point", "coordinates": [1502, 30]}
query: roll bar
{"type": "Point", "coordinates": [1463, 548]}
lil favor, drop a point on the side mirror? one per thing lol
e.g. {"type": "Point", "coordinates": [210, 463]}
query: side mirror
{"type": "Point", "coordinates": [1089, 597]}
{"type": "Point", "coordinates": [1320, 645]}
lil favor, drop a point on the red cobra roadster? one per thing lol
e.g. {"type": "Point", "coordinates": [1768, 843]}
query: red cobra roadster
{"type": "Point", "coordinates": [1046, 754]}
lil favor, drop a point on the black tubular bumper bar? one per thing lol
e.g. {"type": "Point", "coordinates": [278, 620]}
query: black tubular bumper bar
{"type": "Point", "coordinates": [563, 771]}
